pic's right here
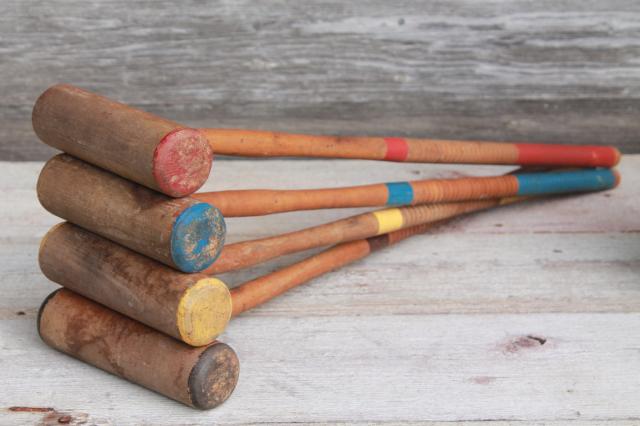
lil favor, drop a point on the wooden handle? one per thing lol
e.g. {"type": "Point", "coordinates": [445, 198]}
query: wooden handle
{"type": "Point", "coordinates": [258, 202]}
{"type": "Point", "coordinates": [199, 377]}
{"type": "Point", "coordinates": [247, 253]}
{"type": "Point", "coordinates": [272, 144]}
{"type": "Point", "coordinates": [158, 153]}
{"type": "Point", "coordinates": [261, 202]}
{"type": "Point", "coordinates": [191, 307]}
{"type": "Point", "coordinates": [256, 292]}
{"type": "Point", "coordinates": [182, 233]}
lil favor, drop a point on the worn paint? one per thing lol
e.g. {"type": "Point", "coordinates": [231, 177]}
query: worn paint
{"type": "Point", "coordinates": [182, 162]}
{"type": "Point", "coordinates": [197, 237]}
{"type": "Point", "coordinates": [203, 311]}
{"type": "Point", "coordinates": [123, 211]}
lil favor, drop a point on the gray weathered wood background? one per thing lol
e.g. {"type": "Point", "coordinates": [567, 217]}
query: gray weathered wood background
{"type": "Point", "coordinates": [554, 71]}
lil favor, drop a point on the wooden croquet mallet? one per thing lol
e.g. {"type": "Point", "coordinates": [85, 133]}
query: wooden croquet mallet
{"type": "Point", "coordinates": [256, 202]}
{"type": "Point", "coordinates": [188, 235]}
{"type": "Point", "coordinates": [171, 158]}
{"type": "Point", "coordinates": [201, 377]}
{"type": "Point", "coordinates": [256, 143]}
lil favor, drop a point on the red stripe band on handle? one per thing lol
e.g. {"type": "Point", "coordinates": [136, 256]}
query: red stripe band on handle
{"type": "Point", "coordinates": [397, 149]}
{"type": "Point", "coordinates": [563, 155]}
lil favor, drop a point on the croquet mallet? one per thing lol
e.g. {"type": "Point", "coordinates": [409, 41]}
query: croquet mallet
{"type": "Point", "coordinates": [188, 234]}
{"type": "Point", "coordinates": [176, 160]}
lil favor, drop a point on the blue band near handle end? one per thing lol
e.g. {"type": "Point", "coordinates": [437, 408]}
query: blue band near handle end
{"type": "Point", "coordinates": [586, 180]}
{"type": "Point", "coordinates": [400, 193]}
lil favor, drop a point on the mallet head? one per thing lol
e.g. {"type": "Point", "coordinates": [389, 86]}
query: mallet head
{"type": "Point", "coordinates": [158, 153]}
{"type": "Point", "coordinates": [201, 377]}
{"type": "Point", "coordinates": [194, 308]}
{"type": "Point", "coordinates": [184, 233]}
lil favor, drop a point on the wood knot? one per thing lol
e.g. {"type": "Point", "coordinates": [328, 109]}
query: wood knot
{"type": "Point", "coordinates": [520, 343]}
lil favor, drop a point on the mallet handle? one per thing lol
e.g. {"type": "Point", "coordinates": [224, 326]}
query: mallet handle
{"type": "Point", "coordinates": [243, 254]}
{"type": "Point", "coordinates": [256, 292]}
{"type": "Point", "coordinates": [256, 202]}
{"type": "Point", "coordinates": [256, 143]}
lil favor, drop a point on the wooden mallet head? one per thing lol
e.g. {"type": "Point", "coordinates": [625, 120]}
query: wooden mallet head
{"type": "Point", "coordinates": [194, 308]}
{"type": "Point", "coordinates": [184, 233]}
{"type": "Point", "coordinates": [158, 153]}
{"type": "Point", "coordinates": [201, 377]}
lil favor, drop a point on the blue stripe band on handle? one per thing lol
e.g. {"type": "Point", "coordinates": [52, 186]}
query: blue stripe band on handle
{"type": "Point", "coordinates": [562, 182]}
{"type": "Point", "coordinates": [400, 193]}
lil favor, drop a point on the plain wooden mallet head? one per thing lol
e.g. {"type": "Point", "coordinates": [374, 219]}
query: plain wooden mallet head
{"type": "Point", "coordinates": [201, 377]}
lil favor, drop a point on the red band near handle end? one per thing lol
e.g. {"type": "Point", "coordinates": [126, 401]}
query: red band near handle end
{"type": "Point", "coordinates": [563, 155]}
{"type": "Point", "coordinates": [397, 149]}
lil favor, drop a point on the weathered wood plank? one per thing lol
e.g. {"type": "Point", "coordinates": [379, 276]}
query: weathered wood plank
{"type": "Point", "coordinates": [369, 368]}
{"type": "Point", "coordinates": [564, 71]}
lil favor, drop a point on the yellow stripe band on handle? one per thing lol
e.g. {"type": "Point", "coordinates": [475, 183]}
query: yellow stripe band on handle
{"type": "Point", "coordinates": [388, 220]}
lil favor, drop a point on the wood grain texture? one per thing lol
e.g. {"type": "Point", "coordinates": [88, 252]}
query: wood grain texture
{"type": "Point", "coordinates": [552, 71]}
{"type": "Point", "coordinates": [520, 316]}
{"type": "Point", "coordinates": [349, 368]}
